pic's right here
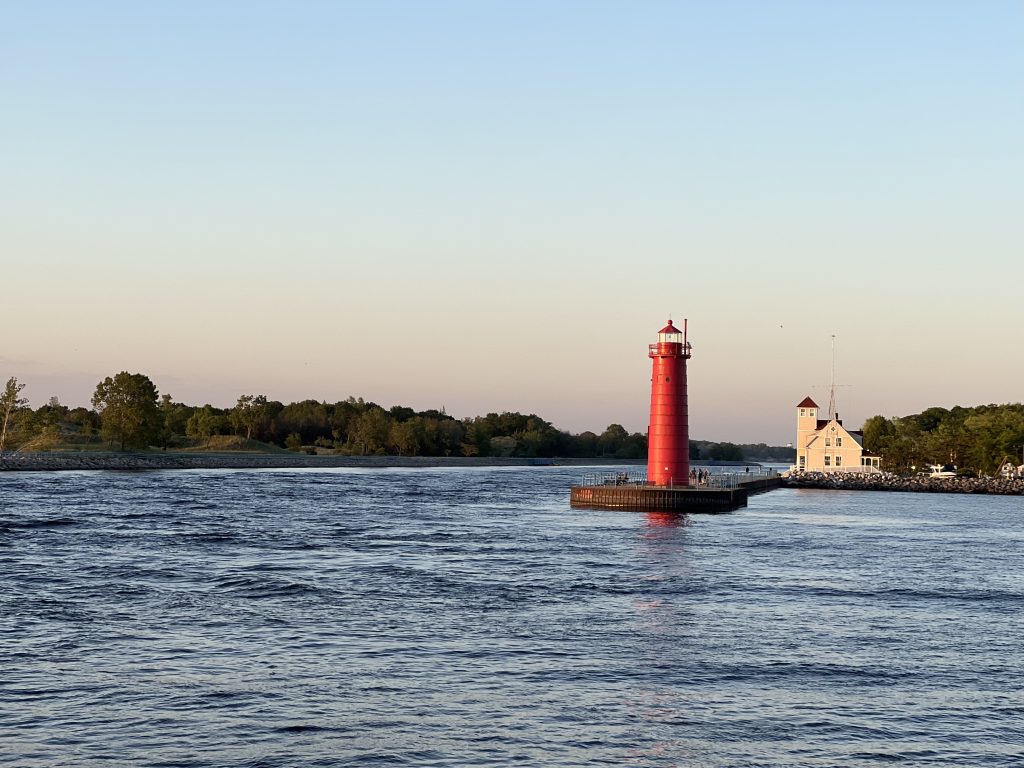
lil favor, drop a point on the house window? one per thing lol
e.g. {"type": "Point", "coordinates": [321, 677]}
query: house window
{"type": "Point", "coordinates": [803, 462]}
{"type": "Point", "coordinates": [803, 412]}
{"type": "Point", "coordinates": [828, 460]}
{"type": "Point", "coordinates": [828, 442]}
{"type": "Point", "coordinates": [839, 461]}
{"type": "Point", "coordinates": [839, 442]}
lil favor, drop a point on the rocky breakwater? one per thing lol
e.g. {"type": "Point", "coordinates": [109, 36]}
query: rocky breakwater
{"type": "Point", "coordinates": [883, 481]}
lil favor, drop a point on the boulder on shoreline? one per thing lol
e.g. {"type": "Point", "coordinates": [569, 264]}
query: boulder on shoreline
{"type": "Point", "coordinates": [884, 481]}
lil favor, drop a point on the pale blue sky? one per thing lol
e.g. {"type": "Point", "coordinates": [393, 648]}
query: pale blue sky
{"type": "Point", "coordinates": [494, 206]}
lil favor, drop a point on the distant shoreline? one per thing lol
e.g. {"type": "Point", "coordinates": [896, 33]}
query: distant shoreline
{"type": "Point", "coordinates": [65, 461]}
{"type": "Point", "coordinates": [56, 461]}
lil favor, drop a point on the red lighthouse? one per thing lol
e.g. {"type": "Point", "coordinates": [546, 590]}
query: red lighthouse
{"type": "Point", "coordinates": [668, 438]}
{"type": "Point", "coordinates": [668, 489]}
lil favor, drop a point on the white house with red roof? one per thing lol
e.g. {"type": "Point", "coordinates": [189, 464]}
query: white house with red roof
{"type": "Point", "coordinates": [825, 445]}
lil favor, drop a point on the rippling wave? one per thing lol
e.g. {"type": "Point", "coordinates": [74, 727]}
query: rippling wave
{"type": "Point", "coordinates": [471, 618]}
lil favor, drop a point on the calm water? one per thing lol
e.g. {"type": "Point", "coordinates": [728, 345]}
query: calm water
{"type": "Point", "coordinates": [470, 618]}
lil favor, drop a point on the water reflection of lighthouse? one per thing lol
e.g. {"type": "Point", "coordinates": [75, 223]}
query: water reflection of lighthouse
{"type": "Point", "coordinates": [668, 440]}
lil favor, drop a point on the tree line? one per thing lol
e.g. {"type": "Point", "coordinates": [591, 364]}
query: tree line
{"type": "Point", "coordinates": [705, 449]}
{"type": "Point", "coordinates": [975, 439]}
{"type": "Point", "coordinates": [129, 412]}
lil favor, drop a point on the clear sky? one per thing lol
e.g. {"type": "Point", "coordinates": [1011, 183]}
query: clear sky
{"type": "Point", "coordinates": [495, 206]}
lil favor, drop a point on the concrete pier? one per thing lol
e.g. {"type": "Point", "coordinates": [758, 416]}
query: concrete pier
{"type": "Point", "coordinates": [641, 497]}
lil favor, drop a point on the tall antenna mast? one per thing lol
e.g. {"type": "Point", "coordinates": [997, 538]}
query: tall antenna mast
{"type": "Point", "coordinates": [832, 386]}
{"type": "Point", "coordinates": [832, 383]}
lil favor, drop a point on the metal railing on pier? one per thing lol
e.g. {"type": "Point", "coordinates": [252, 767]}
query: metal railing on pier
{"type": "Point", "coordinates": [722, 480]}
{"type": "Point", "coordinates": [615, 478]}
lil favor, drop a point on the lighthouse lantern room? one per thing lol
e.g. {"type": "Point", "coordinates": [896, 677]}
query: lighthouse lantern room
{"type": "Point", "coordinates": [668, 437]}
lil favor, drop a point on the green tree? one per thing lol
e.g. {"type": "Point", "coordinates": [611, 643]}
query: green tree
{"type": "Point", "coordinates": [945, 444]}
{"type": "Point", "coordinates": [503, 445]}
{"type": "Point", "coordinates": [10, 402]}
{"type": "Point", "coordinates": [633, 447]}
{"type": "Point", "coordinates": [85, 421]}
{"type": "Point", "coordinates": [206, 422]}
{"type": "Point", "coordinates": [407, 437]}
{"type": "Point", "coordinates": [166, 413]}
{"type": "Point", "coordinates": [343, 416]}
{"type": "Point", "coordinates": [586, 445]}
{"type": "Point", "coordinates": [478, 436]}
{"type": "Point", "coordinates": [725, 452]}
{"type": "Point", "coordinates": [442, 436]}
{"type": "Point", "coordinates": [903, 454]}
{"type": "Point", "coordinates": [879, 432]}
{"type": "Point", "coordinates": [127, 404]}
{"type": "Point", "coordinates": [47, 424]}
{"type": "Point", "coordinates": [310, 418]}
{"type": "Point", "coordinates": [370, 432]}
{"type": "Point", "coordinates": [930, 418]}
{"type": "Point", "coordinates": [401, 413]}
{"type": "Point", "coordinates": [612, 439]}
{"type": "Point", "coordinates": [249, 414]}
{"type": "Point", "coordinates": [991, 435]}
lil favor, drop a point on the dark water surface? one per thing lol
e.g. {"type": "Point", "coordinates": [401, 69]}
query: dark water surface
{"type": "Point", "coordinates": [469, 618]}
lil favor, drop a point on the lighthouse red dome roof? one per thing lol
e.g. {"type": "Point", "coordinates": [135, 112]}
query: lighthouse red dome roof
{"type": "Point", "coordinates": [669, 328]}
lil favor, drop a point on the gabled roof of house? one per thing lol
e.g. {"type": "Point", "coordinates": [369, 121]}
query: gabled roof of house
{"type": "Point", "coordinates": [807, 403]}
